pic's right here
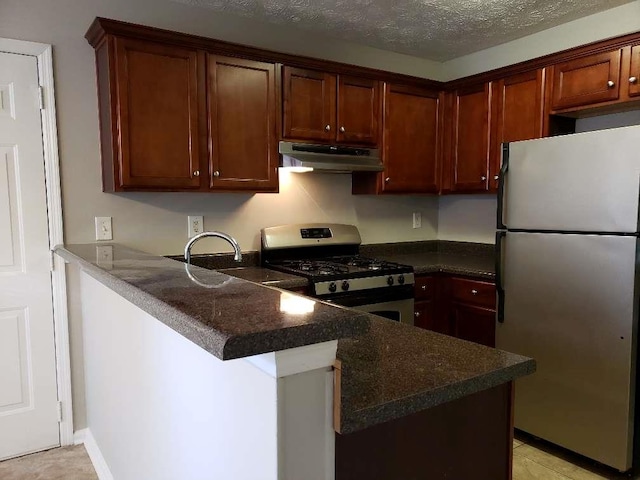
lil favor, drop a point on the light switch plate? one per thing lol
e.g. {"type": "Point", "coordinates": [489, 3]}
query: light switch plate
{"type": "Point", "coordinates": [103, 228]}
{"type": "Point", "coordinates": [417, 220]}
{"type": "Point", "coordinates": [196, 225]}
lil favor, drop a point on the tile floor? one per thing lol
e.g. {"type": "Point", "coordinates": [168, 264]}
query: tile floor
{"type": "Point", "coordinates": [535, 460]}
{"type": "Point", "coordinates": [532, 460]}
{"type": "Point", "coordinates": [68, 463]}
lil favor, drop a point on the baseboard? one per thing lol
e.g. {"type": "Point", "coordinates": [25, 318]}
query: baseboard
{"type": "Point", "coordinates": [99, 464]}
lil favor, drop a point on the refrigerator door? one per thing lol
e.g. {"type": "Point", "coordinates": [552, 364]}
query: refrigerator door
{"type": "Point", "coordinates": [571, 304]}
{"type": "Point", "coordinates": [587, 182]}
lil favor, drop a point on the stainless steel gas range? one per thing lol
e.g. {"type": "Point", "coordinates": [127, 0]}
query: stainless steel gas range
{"type": "Point", "coordinates": [327, 255]}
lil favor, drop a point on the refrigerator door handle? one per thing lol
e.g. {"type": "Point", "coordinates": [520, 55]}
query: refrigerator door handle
{"type": "Point", "coordinates": [500, 239]}
{"type": "Point", "coordinates": [501, 181]}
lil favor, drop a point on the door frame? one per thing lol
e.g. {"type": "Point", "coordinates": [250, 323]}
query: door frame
{"type": "Point", "coordinates": [43, 53]}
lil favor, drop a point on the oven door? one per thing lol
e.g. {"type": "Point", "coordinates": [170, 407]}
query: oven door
{"type": "Point", "coordinates": [392, 303]}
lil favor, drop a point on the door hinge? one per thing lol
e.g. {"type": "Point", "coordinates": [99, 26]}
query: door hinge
{"type": "Point", "coordinates": [41, 97]}
{"type": "Point", "coordinates": [59, 412]}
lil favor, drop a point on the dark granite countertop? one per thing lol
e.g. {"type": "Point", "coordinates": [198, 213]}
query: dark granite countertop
{"type": "Point", "coordinates": [395, 370]}
{"type": "Point", "coordinates": [481, 267]}
{"type": "Point", "coordinates": [229, 317]}
{"type": "Point", "coordinates": [266, 276]}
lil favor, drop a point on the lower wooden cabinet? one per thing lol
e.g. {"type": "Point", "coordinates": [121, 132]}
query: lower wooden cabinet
{"type": "Point", "coordinates": [456, 306]}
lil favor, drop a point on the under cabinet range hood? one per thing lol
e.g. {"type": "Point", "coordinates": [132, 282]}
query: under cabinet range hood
{"type": "Point", "coordinates": [305, 157]}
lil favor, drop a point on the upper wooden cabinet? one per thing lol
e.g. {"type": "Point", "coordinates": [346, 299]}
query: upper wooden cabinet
{"type": "Point", "coordinates": [518, 106]}
{"type": "Point", "coordinates": [411, 142]}
{"type": "Point", "coordinates": [587, 80]}
{"type": "Point", "coordinates": [323, 107]}
{"type": "Point", "coordinates": [149, 99]}
{"type": "Point", "coordinates": [634, 72]}
{"type": "Point", "coordinates": [242, 122]}
{"type": "Point", "coordinates": [468, 151]}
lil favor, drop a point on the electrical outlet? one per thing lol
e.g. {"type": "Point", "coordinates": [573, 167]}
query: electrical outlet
{"type": "Point", "coordinates": [417, 220]}
{"type": "Point", "coordinates": [104, 256]}
{"type": "Point", "coordinates": [196, 225]}
{"type": "Point", "coordinates": [103, 228]}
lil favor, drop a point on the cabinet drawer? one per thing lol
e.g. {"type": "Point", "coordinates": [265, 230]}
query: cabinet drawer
{"type": "Point", "coordinates": [473, 292]}
{"type": "Point", "coordinates": [425, 288]}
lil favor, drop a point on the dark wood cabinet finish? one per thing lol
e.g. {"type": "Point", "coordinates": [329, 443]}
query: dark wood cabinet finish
{"type": "Point", "coordinates": [634, 72]}
{"type": "Point", "coordinates": [324, 107]}
{"type": "Point", "coordinates": [587, 80]}
{"type": "Point", "coordinates": [468, 438]}
{"type": "Point", "coordinates": [358, 110]}
{"type": "Point", "coordinates": [309, 104]}
{"type": "Point", "coordinates": [518, 106]}
{"type": "Point", "coordinates": [242, 122]}
{"type": "Point", "coordinates": [469, 144]}
{"type": "Point", "coordinates": [151, 92]}
{"type": "Point", "coordinates": [473, 292]}
{"type": "Point", "coordinates": [475, 324]}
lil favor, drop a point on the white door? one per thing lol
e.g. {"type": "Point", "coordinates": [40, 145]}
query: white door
{"type": "Point", "coordinates": [28, 395]}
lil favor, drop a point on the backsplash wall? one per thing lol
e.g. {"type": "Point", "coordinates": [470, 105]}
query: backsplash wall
{"type": "Point", "coordinates": [467, 218]}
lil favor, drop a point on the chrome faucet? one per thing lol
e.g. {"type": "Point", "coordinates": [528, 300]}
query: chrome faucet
{"type": "Point", "coordinates": [236, 247]}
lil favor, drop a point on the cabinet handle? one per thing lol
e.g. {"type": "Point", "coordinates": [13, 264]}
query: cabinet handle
{"type": "Point", "coordinates": [496, 177]}
{"type": "Point", "coordinates": [387, 180]}
{"type": "Point", "coordinates": [483, 178]}
{"type": "Point", "coordinates": [341, 129]}
{"type": "Point", "coordinates": [196, 173]}
{"type": "Point", "coordinates": [633, 79]}
{"type": "Point", "coordinates": [328, 128]}
{"type": "Point", "coordinates": [416, 314]}
{"type": "Point", "coordinates": [611, 84]}
{"type": "Point", "coordinates": [424, 288]}
{"type": "Point", "coordinates": [474, 292]}
{"type": "Point", "coordinates": [216, 173]}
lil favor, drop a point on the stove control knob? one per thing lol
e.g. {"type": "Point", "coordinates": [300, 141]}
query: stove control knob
{"type": "Point", "coordinates": [345, 285]}
{"type": "Point", "coordinates": [332, 287]}
{"type": "Point", "coordinates": [390, 280]}
{"type": "Point", "coordinates": [401, 279]}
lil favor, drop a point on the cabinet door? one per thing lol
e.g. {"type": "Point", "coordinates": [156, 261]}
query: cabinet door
{"type": "Point", "coordinates": [242, 122]}
{"type": "Point", "coordinates": [518, 105]}
{"type": "Point", "coordinates": [309, 104]}
{"type": "Point", "coordinates": [470, 139]}
{"type": "Point", "coordinates": [157, 116]}
{"type": "Point", "coordinates": [587, 80]}
{"type": "Point", "coordinates": [411, 154]}
{"type": "Point", "coordinates": [634, 72]}
{"type": "Point", "coordinates": [358, 110]}
{"type": "Point", "coordinates": [473, 323]}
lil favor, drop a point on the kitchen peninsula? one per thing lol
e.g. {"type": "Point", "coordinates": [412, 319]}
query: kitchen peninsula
{"type": "Point", "coordinates": [191, 374]}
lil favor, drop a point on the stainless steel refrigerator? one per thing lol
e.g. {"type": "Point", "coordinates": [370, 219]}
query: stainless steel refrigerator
{"type": "Point", "coordinates": [567, 281]}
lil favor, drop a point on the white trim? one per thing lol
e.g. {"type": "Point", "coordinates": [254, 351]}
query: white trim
{"type": "Point", "coordinates": [43, 53]}
{"type": "Point", "coordinates": [79, 436]}
{"type": "Point", "coordinates": [296, 360]}
{"type": "Point", "coordinates": [98, 461]}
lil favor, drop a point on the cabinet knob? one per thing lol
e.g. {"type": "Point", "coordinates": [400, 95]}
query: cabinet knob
{"type": "Point", "coordinates": [633, 79]}
{"type": "Point", "coordinates": [328, 128]}
{"type": "Point", "coordinates": [387, 180]}
{"type": "Point", "coordinates": [216, 173]}
{"type": "Point", "coordinates": [483, 178]}
{"type": "Point", "coordinates": [496, 177]}
{"type": "Point", "coordinates": [341, 129]}
{"type": "Point", "coordinates": [196, 173]}
{"type": "Point", "coordinates": [611, 84]}
{"type": "Point", "coordinates": [416, 314]}
{"type": "Point", "coordinates": [424, 288]}
{"type": "Point", "coordinates": [474, 292]}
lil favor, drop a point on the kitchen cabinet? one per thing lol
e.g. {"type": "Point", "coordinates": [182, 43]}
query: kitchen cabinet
{"type": "Point", "coordinates": [634, 72]}
{"type": "Point", "coordinates": [149, 96]}
{"type": "Point", "coordinates": [242, 121]}
{"type": "Point", "coordinates": [468, 152]}
{"type": "Point", "coordinates": [324, 107]}
{"type": "Point", "coordinates": [518, 108]}
{"type": "Point", "coordinates": [587, 80]}
{"type": "Point", "coordinates": [457, 306]}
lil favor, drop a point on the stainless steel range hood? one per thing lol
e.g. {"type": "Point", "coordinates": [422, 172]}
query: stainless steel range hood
{"type": "Point", "coordinates": [305, 157]}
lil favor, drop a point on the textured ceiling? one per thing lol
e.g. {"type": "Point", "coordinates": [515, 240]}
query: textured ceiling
{"type": "Point", "coordinates": [433, 29]}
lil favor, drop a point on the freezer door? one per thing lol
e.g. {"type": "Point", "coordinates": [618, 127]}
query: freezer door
{"type": "Point", "coordinates": [571, 304]}
{"type": "Point", "coordinates": [587, 182]}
